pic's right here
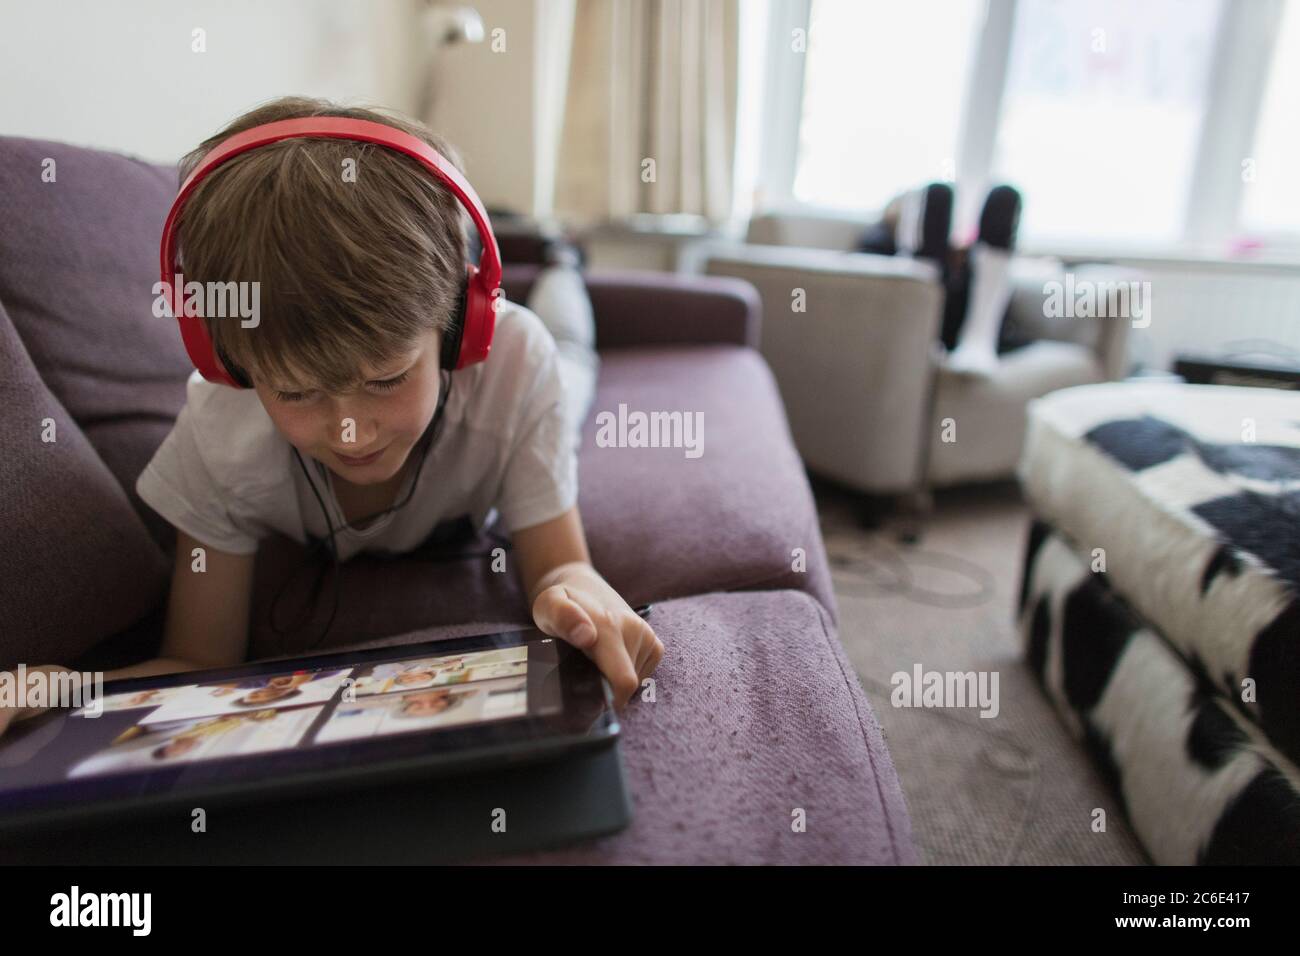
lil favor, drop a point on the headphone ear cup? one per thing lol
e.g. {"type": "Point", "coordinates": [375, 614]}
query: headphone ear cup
{"type": "Point", "coordinates": [479, 320]}
{"type": "Point", "coordinates": [455, 333]}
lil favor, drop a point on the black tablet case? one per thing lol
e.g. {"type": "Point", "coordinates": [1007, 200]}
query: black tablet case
{"type": "Point", "coordinates": [436, 820]}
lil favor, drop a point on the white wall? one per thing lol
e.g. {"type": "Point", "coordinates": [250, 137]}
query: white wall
{"type": "Point", "coordinates": [122, 74]}
{"type": "Point", "coordinates": [501, 101]}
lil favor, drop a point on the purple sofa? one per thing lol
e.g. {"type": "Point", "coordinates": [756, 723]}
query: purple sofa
{"type": "Point", "coordinates": [758, 712]}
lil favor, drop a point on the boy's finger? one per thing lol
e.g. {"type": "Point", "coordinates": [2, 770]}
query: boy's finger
{"type": "Point", "coordinates": [648, 660]}
{"type": "Point", "coordinates": [613, 660]}
{"type": "Point", "coordinates": [647, 645]}
{"type": "Point", "coordinates": [557, 614]}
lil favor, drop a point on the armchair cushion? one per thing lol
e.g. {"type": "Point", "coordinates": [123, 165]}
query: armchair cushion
{"type": "Point", "coordinates": [988, 411]}
{"type": "Point", "coordinates": [1037, 285]}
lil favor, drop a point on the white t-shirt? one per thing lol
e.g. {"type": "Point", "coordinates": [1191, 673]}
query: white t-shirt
{"type": "Point", "coordinates": [228, 478]}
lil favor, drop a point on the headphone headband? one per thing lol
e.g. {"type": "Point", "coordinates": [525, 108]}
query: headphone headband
{"type": "Point", "coordinates": [483, 282]}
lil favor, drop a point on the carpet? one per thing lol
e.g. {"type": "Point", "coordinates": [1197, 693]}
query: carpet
{"type": "Point", "coordinates": [1014, 788]}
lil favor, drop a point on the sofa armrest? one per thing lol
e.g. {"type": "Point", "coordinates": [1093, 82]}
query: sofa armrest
{"type": "Point", "coordinates": [636, 308]}
{"type": "Point", "coordinates": [849, 337]}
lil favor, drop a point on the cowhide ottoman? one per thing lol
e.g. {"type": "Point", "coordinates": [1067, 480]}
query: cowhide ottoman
{"type": "Point", "coordinates": [1160, 605]}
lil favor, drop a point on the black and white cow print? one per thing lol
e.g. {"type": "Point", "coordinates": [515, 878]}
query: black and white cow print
{"type": "Point", "coordinates": [1197, 778]}
{"type": "Point", "coordinates": [1189, 497]}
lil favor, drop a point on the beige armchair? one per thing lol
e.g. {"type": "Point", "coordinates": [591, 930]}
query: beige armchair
{"type": "Point", "coordinates": [852, 340]}
{"type": "Point", "coordinates": [988, 412]}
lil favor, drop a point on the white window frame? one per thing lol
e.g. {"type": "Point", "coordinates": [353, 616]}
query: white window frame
{"type": "Point", "coordinates": [1238, 77]}
{"type": "Point", "coordinates": [782, 104]}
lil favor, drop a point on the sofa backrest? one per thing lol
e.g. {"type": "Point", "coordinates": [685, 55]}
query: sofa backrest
{"type": "Point", "coordinates": [78, 261]}
{"type": "Point", "coordinates": [92, 382]}
{"type": "Point", "coordinates": [77, 564]}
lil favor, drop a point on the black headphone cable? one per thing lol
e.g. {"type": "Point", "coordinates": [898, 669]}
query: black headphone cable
{"type": "Point", "coordinates": [330, 545]}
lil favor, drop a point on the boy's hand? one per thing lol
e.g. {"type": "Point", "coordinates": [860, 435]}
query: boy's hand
{"type": "Point", "coordinates": [579, 607]}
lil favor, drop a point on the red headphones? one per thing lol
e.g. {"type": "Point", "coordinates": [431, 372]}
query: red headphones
{"type": "Point", "coordinates": [470, 337]}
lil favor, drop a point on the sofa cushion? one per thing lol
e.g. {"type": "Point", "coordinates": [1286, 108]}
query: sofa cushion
{"type": "Point", "coordinates": [77, 564]}
{"type": "Point", "coordinates": [78, 260]}
{"type": "Point", "coordinates": [756, 715]}
{"type": "Point", "coordinates": [659, 524]}
{"type": "Point", "coordinates": [718, 764]}
{"type": "Point", "coordinates": [668, 525]}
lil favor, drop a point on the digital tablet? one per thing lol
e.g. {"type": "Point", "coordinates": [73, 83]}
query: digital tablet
{"type": "Point", "coordinates": [267, 730]}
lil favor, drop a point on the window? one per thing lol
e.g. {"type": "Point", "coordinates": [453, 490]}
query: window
{"type": "Point", "coordinates": [1101, 115]}
{"type": "Point", "coordinates": [884, 85]}
{"type": "Point", "coordinates": [1168, 124]}
{"type": "Point", "coordinates": [1270, 186]}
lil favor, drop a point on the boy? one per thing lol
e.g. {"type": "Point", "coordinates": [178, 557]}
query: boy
{"type": "Point", "coordinates": [358, 278]}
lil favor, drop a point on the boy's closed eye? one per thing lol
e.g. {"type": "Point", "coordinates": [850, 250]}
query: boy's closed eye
{"type": "Point", "coordinates": [384, 385]}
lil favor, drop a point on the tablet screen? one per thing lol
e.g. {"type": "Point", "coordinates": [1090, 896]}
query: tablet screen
{"type": "Point", "coordinates": [220, 730]}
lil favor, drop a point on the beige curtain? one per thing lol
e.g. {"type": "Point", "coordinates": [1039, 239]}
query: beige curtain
{"type": "Point", "coordinates": [649, 80]}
